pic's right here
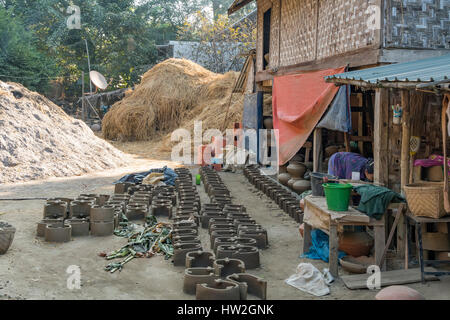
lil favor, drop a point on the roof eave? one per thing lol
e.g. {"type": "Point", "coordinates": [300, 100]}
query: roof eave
{"type": "Point", "coordinates": [238, 5]}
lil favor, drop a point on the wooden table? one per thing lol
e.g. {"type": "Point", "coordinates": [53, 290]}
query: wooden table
{"type": "Point", "coordinates": [318, 216]}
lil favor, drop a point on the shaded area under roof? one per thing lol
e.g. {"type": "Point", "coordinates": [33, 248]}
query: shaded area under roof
{"type": "Point", "coordinates": [237, 5]}
{"type": "Point", "coordinates": [436, 69]}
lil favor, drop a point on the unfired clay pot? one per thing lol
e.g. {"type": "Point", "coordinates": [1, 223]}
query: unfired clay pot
{"type": "Point", "coordinates": [301, 186]}
{"type": "Point", "coordinates": [283, 178]}
{"type": "Point", "coordinates": [296, 169]}
{"type": "Point", "coordinates": [292, 181]}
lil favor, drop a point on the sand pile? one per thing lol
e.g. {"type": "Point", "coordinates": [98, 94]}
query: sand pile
{"type": "Point", "coordinates": [172, 95]}
{"type": "Point", "coordinates": [39, 140]}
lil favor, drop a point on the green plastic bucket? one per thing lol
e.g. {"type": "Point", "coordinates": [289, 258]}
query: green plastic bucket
{"type": "Point", "coordinates": [338, 196]}
{"type": "Point", "coordinates": [198, 179]}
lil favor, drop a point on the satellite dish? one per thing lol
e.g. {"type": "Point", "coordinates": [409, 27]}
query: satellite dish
{"type": "Point", "coordinates": [98, 80]}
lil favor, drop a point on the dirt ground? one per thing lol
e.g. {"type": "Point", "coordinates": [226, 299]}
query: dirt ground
{"type": "Point", "coordinates": [34, 269]}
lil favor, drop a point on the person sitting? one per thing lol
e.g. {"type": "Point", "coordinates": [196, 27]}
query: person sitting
{"type": "Point", "coordinates": [342, 164]}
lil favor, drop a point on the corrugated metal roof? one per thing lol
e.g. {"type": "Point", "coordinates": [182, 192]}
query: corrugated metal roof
{"type": "Point", "coordinates": [426, 70]}
{"type": "Point", "coordinates": [238, 4]}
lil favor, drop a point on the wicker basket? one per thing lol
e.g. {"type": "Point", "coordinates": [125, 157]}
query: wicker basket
{"type": "Point", "coordinates": [426, 199]}
{"type": "Point", "coordinates": [6, 237]}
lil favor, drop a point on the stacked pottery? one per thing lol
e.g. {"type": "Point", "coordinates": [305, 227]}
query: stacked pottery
{"type": "Point", "coordinates": [284, 176]}
{"type": "Point", "coordinates": [297, 170]}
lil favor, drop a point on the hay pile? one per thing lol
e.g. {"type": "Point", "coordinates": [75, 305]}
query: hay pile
{"type": "Point", "coordinates": [172, 95]}
{"type": "Point", "coordinates": [39, 140]}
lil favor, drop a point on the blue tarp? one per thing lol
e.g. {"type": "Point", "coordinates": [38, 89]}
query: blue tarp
{"type": "Point", "coordinates": [320, 249]}
{"type": "Point", "coordinates": [169, 176]}
{"type": "Point", "coordinates": [339, 116]}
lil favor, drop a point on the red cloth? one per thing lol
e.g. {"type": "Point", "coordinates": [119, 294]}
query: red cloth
{"type": "Point", "coordinates": [299, 102]}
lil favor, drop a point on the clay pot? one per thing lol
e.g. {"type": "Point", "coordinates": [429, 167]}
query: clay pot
{"type": "Point", "coordinates": [268, 123]}
{"type": "Point", "coordinates": [356, 244]}
{"type": "Point", "coordinates": [301, 186]}
{"type": "Point", "coordinates": [356, 265]}
{"type": "Point", "coordinates": [292, 181]}
{"type": "Point", "coordinates": [284, 178]}
{"type": "Point", "coordinates": [329, 151]}
{"type": "Point", "coordinates": [282, 169]}
{"type": "Point", "coordinates": [399, 293]}
{"type": "Point", "coordinates": [296, 169]}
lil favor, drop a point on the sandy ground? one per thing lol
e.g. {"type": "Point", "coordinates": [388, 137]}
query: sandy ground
{"type": "Point", "coordinates": [34, 269]}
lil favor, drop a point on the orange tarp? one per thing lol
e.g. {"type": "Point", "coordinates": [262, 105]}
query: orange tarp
{"type": "Point", "coordinates": [299, 102]}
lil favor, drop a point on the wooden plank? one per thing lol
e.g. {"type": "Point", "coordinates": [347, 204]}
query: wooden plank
{"type": "Point", "coordinates": [333, 244]}
{"type": "Point", "coordinates": [388, 278]}
{"type": "Point", "coordinates": [317, 150]}
{"type": "Point", "coordinates": [357, 58]}
{"type": "Point", "coordinates": [406, 137]}
{"type": "Point", "coordinates": [306, 238]}
{"type": "Point", "coordinates": [380, 242]}
{"type": "Point", "coordinates": [436, 241]}
{"type": "Point", "coordinates": [361, 139]}
{"type": "Point", "coordinates": [380, 151]}
{"type": "Point", "coordinates": [361, 132]}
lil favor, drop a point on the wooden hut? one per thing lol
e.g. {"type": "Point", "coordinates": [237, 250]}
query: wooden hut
{"type": "Point", "coordinates": [299, 36]}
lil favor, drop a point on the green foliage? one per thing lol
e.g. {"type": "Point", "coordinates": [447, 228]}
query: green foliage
{"type": "Point", "coordinates": [20, 61]}
{"type": "Point", "coordinates": [121, 36]}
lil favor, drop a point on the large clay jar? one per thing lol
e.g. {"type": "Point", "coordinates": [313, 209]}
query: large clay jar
{"type": "Point", "coordinates": [356, 244]}
{"type": "Point", "coordinates": [268, 123]}
{"type": "Point", "coordinates": [296, 169]}
{"type": "Point", "coordinates": [301, 186]}
{"type": "Point", "coordinates": [283, 178]}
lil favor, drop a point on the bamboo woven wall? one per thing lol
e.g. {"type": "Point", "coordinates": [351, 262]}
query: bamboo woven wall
{"type": "Point", "coordinates": [309, 30]}
{"type": "Point", "coordinates": [344, 26]}
{"type": "Point", "coordinates": [417, 24]}
{"type": "Point", "coordinates": [298, 31]}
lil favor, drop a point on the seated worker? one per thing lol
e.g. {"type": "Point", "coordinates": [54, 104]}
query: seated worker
{"type": "Point", "coordinates": [342, 164]}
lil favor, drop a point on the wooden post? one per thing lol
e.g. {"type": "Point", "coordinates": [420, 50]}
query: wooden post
{"type": "Point", "coordinates": [334, 244]}
{"type": "Point", "coordinates": [317, 150]}
{"type": "Point", "coordinates": [381, 134]}
{"type": "Point", "coordinates": [347, 141]}
{"type": "Point", "coordinates": [406, 137]}
{"type": "Point", "coordinates": [83, 102]}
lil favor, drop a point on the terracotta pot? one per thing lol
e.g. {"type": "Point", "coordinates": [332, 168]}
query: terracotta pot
{"type": "Point", "coordinates": [268, 123]}
{"type": "Point", "coordinates": [399, 293]}
{"type": "Point", "coordinates": [296, 169]}
{"type": "Point", "coordinates": [356, 244]}
{"type": "Point", "coordinates": [284, 178]}
{"type": "Point", "coordinates": [301, 186]}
